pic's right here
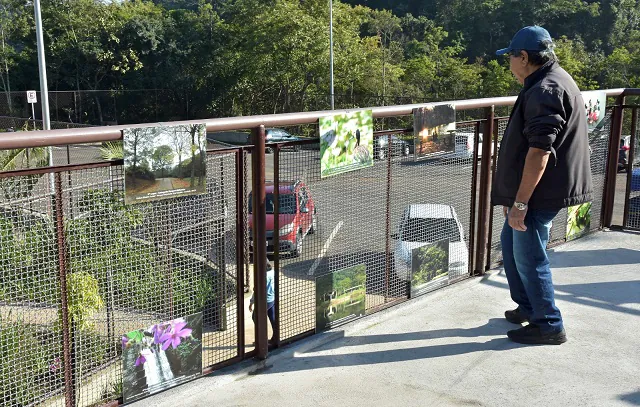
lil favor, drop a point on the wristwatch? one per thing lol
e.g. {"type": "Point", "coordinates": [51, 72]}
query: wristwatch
{"type": "Point", "coordinates": [521, 206]}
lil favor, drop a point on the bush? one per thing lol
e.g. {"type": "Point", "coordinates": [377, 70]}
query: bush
{"type": "Point", "coordinates": [25, 363]}
{"type": "Point", "coordinates": [28, 260]}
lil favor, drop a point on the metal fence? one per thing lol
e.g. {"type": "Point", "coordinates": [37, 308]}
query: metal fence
{"type": "Point", "coordinates": [79, 269]}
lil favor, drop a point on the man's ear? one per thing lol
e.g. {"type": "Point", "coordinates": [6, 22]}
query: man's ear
{"type": "Point", "coordinates": [524, 56]}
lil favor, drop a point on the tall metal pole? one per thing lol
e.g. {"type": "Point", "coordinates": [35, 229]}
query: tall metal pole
{"type": "Point", "coordinates": [331, 51]}
{"type": "Point", "coordinates": [44, 90]}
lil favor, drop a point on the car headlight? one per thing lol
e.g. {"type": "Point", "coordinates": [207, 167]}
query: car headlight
{"type": "Point", "coordinates": [285, 230]}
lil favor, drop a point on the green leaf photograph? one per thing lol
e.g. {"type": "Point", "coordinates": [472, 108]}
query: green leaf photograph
{"type": "Point", "coordinates": [578, 220]}
{"type": "Point", "coordinates": [429, 267]}
{"type": "Point", "coordinates": [346, 142]}
{"type": "Point", "coordinates": [340, 296]}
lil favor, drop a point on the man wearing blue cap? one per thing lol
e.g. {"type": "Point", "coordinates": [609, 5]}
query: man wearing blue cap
{"type": "Point", "coordinates": [543, 166]}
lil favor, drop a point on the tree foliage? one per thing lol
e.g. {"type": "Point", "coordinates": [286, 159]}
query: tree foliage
{"type": "Point", "coordinates": [242, 57]}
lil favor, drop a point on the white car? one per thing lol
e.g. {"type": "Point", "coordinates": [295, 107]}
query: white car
{"type": "Point", "coordinates": [464, 145]}
{"type": "Point", "coordinates": [422, 224]}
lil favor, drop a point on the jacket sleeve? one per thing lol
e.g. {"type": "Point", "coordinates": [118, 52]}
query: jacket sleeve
{"type": "Point", "coordinates": [544, 118]}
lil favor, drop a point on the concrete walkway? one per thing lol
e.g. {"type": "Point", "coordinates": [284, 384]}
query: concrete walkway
{"type": "Point", "coordinates": [449, 348]}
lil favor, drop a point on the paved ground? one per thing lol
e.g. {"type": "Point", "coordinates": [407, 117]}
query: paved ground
{"type": "Point", "coordinates": [449, 348]}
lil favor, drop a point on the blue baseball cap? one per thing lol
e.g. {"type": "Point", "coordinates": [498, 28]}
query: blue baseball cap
{"type": "Point", "coordinates": [528, 39]}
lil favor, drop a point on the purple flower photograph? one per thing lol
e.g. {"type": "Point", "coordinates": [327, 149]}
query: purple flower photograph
{"type": "Point", "coordinates": [161, 356]}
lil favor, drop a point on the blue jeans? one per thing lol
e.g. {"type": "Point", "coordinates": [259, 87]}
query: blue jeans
{"type": "Point", "coordinates": [527, 268]}
{"type": "Point", "coordinates": [271, 314]}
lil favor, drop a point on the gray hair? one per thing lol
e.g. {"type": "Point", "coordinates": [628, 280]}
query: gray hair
{"type": "Point", "coordinates": [539, 58]}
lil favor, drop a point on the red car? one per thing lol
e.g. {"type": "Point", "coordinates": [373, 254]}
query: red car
{"type": "Point", "coordinates": [297, 216]}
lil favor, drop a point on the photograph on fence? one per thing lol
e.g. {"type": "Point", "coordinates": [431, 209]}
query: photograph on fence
{"type": "Point", "coordinates": [346, 142]}
{"type": "Point", "coordinates": [161, 356]}
{"type": "Point", "coordinates": [578, 221]}
{"type": "Point", "coordinates": [595, 104]}
{"type": "Point", "coordinates": [164, 162]}
{"type": "Point", "coordinates": [429, 267]}
{"type": "Point", "coordinates": [434, 131]}
{"type": "Point", "coordinates": [340, 296]}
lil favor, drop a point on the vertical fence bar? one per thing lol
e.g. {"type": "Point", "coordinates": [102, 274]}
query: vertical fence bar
{"type": "Point", "coordinates": [474, 188]}
{"type": "Point", "coordinates": [387, 269]}
{"type": "Point", "coordinates": [240, 255]}
{"type": "Point", "coordinates": [612, 162]}
{"type": "Point", "coordinates": [259, 240]}
{"type": "Point", "coordinates": [276, 241]}
{"type": "Point", "coordinates": [69, 382]}
{"type": "Point", "coordinates": [485, 191]}
{"type": "Point", "coordinates": [627, 194]}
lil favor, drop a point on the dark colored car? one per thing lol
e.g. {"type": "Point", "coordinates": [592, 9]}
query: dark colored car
{"type": "Point", "coordinates": [297, 216]}
{"type": "Point", "coordinates": [398, 147]}
{"type": "Point", "coordinates": [280, 136]}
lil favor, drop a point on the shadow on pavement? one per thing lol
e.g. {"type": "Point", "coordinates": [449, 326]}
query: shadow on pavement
{"type": "Point", "coordinates": [605, 295]}
{"type": "Point", "coordinates": [587, 258]}
{"type": "Point", "coordinates": [631, 398]}
{"type": "Point", "coordinates": [492, 327]}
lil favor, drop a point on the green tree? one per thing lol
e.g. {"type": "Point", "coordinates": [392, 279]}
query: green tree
{"type": "Point", "coordinates": [162, 158]}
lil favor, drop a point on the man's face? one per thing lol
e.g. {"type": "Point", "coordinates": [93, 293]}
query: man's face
{"type": "Point", "coordinates": [518, 65]}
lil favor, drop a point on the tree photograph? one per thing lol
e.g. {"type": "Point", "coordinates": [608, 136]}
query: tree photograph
{"type": "Point", "coordinates": [164, 161]}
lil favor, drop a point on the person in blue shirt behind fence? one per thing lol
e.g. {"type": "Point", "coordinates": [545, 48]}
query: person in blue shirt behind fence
{"type": "Point", "coordinates": [271, 298]}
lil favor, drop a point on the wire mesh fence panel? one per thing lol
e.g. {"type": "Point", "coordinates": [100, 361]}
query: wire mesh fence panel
{"type": "Point", "coordinates": [633, 203]}
{"type": "Point", "coordinates": [31, 341]}
{"type": "Point", "coordinates": [101, 260]}
{"type": "Point", "coordinates": [145, 266]}
{"type": "Point", "coordinates": [430, 211]}
{"type": "Point", "coordinates": [305, 222]}
{"type": "Point", "coordinates": [599, 149]}
{"type": "Point", "coordinates": [497, 216]}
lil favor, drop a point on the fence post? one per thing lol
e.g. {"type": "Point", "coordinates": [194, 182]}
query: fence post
{"type": "Point", "coordinates": [241, 221]}
{"type": "Point", "coordinates": [388, 255]}
{"type": "Point", "coordinates": [276, 240]}
{"type": "Point", "coordinates": [484, 208]}
{"type": "Point", "coordinates": [474, 191]}
{"type": "Point", "coordinates": [67, 340]}
{"type": "Point", "coordinates": [259, 240]}
{"type": "Point", "coordinates": [612, 162]}
{"type": "Point", "coordinates": [631, 155]}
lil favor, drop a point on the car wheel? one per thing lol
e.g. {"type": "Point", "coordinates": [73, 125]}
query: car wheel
{"type": "Point", "coordinates": [405, 150]}
{"type": "Point", "coordinates": [269, 150]}
{"type": "Point", "coordinates": [298, 249]}
{"type": "Point", "coordinates": [296, 147]}
{"type": "Point", "coordinates": [314, 226]}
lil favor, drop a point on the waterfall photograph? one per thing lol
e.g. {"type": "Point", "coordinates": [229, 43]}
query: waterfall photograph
{"type": "Point", "coordinates": [161, 356]}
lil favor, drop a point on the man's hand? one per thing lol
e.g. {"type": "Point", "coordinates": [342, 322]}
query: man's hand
{"type": "Point", "coordinates": [250, 307]}
{"type": "Point", "coordinates": [516, 219]}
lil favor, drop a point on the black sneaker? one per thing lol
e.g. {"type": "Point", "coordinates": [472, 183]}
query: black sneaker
{"type": "Point", "coordinates": [531, 335]}
{"type": "Point", "coordinates": [515, 316]}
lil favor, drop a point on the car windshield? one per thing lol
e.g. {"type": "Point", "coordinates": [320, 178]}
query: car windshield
{"type": "Point", "coordinates": [287, 204]}
{"type": "Point", "coordinates": [430, 230]}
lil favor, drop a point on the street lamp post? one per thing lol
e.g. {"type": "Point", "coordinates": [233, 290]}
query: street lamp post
{"type": "Point", "coordinates": [44, 90]}
{"type": "Point", "coordinates": [331, 51]}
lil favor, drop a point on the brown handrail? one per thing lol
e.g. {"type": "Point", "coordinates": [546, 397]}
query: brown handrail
{"type": "Point", "coordinates": [112, 133]}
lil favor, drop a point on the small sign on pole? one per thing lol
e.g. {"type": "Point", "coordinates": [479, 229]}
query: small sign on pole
{"type": "Point", "coordinates": [32, 96]}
